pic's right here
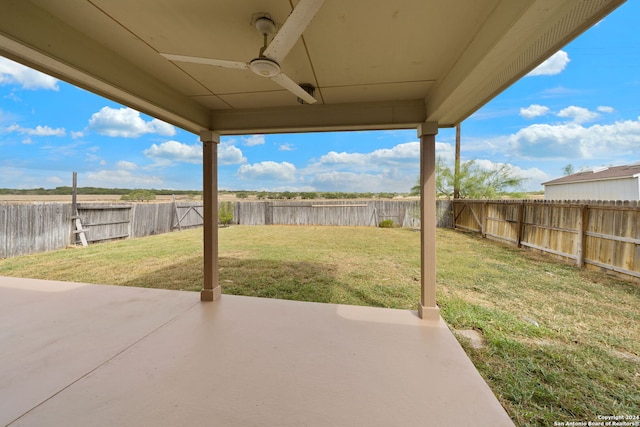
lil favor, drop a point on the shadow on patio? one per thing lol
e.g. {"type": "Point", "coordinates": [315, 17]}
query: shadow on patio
{"type": "Point", "coordinates": [290, 280]}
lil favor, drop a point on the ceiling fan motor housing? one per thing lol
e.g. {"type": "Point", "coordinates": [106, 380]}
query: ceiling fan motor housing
{"type": "Point", "coordinates": [264, 67]}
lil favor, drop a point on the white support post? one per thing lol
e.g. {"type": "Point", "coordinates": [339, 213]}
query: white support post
{"type": "Point", "coordinates": [210, 140]}
{"type": "Point", "coordinates": [427, 308]}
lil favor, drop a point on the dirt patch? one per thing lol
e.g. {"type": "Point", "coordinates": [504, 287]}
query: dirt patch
{"type": "Point", "coordinates": [625, 355]}
{"type": "Point", "coordinates": [539, 342]}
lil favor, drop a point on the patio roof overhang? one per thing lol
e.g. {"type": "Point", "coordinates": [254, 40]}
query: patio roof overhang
{"type": "Point", "coordinates": [376, 64]}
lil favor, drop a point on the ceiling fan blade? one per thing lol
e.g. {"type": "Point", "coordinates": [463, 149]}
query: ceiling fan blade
{"type": "Point", "coordinates": [294, 88]}
{"type": "Point", "coordinates": [292, 29]}
{"type": "Point", "coordinates": [206, 61]}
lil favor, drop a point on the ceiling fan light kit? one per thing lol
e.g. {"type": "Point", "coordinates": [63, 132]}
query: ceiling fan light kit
{"type": "Point", "coordinates": [264, 67]}
{"type": "Point", "coordinates": [267, 62]}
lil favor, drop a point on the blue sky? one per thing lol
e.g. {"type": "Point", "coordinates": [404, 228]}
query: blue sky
{"type": "Point", "coordinates": [581, 107]}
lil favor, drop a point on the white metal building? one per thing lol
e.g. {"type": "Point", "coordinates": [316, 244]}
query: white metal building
{"type": "Point", "coordinates": [606, 183]}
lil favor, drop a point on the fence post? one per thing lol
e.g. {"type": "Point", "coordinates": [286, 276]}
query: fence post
{"type": "Point", "coordinates": [74, 206]}
{"type": "Point", "coordinates": [131, 227]}
{"type": "Point", "coordinates": [268, 213]}
{"type": "Point", "coordinates": [483, 226]}
{"type": "Point", "coordinates": [520, 229]}
{"type": "Point", "coordinates": [175, 216]}
{"type": "Point", "coordinates": [454, 216]}
{"type": "Point", "coordinates": [583, 222]}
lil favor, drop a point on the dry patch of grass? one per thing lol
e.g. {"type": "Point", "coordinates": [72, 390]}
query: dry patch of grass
{"type": "Point", "coordinates": [561, 344]}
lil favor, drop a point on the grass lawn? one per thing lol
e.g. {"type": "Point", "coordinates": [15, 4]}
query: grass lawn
{"type": "Point", "coordinates": [562, 344]}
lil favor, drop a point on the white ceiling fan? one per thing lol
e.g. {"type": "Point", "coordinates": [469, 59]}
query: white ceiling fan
{"type": "Point", "coordinates": [267, 64]}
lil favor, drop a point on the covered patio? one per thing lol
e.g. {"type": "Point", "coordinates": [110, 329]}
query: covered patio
{"type": "Point", "coordinates": [215, 68]}
{"type": "Point", "coordinates": [105, 355]}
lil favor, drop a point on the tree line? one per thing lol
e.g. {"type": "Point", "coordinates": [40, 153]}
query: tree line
{"type": "Point", "coordinates": [149, 194]}
{"type": "Point", "coordinates": [66, 191]}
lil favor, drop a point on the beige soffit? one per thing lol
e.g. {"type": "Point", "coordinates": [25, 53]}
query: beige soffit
{"type": "Point", "coordinates": [375, 64]}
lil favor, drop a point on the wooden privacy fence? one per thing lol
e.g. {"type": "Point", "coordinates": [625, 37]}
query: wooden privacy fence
{"type": "Point", "coordinates": [344, 212]}
{"type": "Point", "coordinates": [355, 213]}
{"type": "Point", "coordinates": [104, 222]}
{"type": "Point", "coordinates": [595, 234]}
{"type": "Point", "coordinates": [27, 228]}
{"type": "Point", "coordinates": [35, 227]}
{"type": "Point", "coordinates": [39, 227]}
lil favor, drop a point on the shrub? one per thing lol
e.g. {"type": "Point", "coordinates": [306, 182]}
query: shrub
{"type": "Point", "coordinates": [386, 223]}
{"type": "Point", "coordinates": [225, 213]}
{"type": "Point", "coordinates": [139, 196]}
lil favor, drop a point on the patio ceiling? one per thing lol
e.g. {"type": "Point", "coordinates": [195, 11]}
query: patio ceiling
{"type": "Point", "coordinates": [375, 64]}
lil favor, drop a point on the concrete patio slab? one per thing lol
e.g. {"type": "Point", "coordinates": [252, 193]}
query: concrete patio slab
{"type": "Point", "coordinates": [78, 355]}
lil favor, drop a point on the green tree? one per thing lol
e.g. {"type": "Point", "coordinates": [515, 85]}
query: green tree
{"type": "Point", "coordinates": [225, 213]}
{"type": "Point", "coordinates": [568, 170]}
{"type": "Point", "coordinates": [474, 181]}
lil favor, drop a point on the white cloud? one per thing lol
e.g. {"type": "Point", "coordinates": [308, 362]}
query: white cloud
{"type": "Point", "coordinates": [76, 135]}
{"type": "Point", "coordinates": [125, 165]}
{"type": "Point", "coordinates": [253, 140]}
{"type": "Point", "coordinates": [553, 65]}
{"type": "Point", "coordinates": [398, 156]}
{"type": "Point", "coordinates": [268, 170]}
{"type": "Point", "coordinates": [229, 154]}
{"type": "Point", "coordinates": [173, 151]}
{"type": "Point", "coordinates": [446, 152]}
{"type": "Point", "coordinates": [13, 97]}
{"type": "Point", "coordinates": [352, 182]}
{"type": "Point", "coordinates": [126, 123]}
{"type": "Point", "coordinates": [533, 111]}
{"type": "Point", "coordinates": [559, 92]}
{"type": "Point", "coordinates": [90, 157]}
{"type": "Point", "coordinates": [169, 152]}
{"type": "Point", "coordinates": [605, 109]}
{"type": "Point", "coordinates": [392, 169]}
{"type": "Point", "coordinates": [578, 114]}
{"type": "Point", "coordinates": [14, 73]}
{"type": "Point", "coordinates": [55, 180]}
{"type": "Point", "coordinates": [121, 178]}
{"type": "Point", "coordinates": [37, 131]}
{"type": "Point", "coordinates": [574, 141]}
{"type": "Point", "coordinates": [286, 147]}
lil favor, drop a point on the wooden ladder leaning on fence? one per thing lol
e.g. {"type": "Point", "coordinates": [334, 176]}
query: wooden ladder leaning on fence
{"type": "Point", "coordinates": [79, 230]}
{"type": "Point", "coordinates": [75, 217]}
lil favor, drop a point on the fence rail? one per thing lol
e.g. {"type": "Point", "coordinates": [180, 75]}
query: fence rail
{"type": "Point", "coordinates": [595, 234]}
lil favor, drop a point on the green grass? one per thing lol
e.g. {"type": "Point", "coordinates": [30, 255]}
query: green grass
{"type": "Point", "coordinates": [580, 361]}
